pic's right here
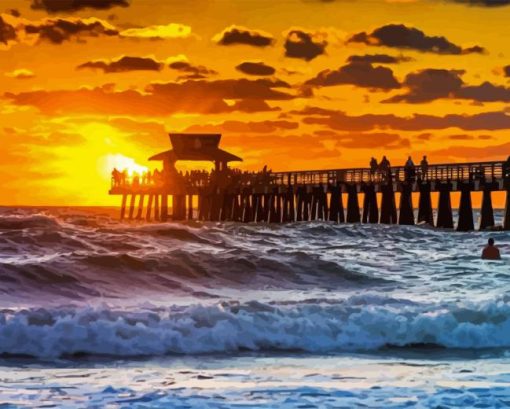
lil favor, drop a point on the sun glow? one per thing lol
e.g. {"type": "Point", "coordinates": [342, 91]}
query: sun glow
{"type": "Point", "coordinates": [121, 162]}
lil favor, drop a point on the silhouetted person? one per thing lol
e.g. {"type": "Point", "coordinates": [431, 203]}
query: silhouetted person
{"type": "Point", "coordinates": [136, 179]}
{"type": "Point", "coordinates": [385, 168]}
{"type": "Point", "coordinates": [424, 164]}
{"type": "Point", "coordinates": [491, 252]}
{"type": "Point", "coordinates": [116, 177]}
{"type": "Point", "coordinates": [409, 168]}
{"type": "Point", "coordinates": [373, 168]}
{"type": "Point", "coordinates": [124, 177]}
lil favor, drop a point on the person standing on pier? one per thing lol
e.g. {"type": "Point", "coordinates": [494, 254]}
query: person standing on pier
{"type": "Point", "coordinates": [373, 168]}
{"type": "Point", "coordinates": [385, 169]}
{"type": "Point", "coordinates": [409, 169]}
{"type": "Point", "coordinates": [506, 168]}
{"type": "Point", "coordinates": [424, 167]}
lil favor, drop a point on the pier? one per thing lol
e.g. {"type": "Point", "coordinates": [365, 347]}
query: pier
{"type": "Point", "coordinates": [227, 194]}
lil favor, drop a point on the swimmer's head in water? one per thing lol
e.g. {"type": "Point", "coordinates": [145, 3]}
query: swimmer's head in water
{"type": "Point", "coordinates": [491, 242]}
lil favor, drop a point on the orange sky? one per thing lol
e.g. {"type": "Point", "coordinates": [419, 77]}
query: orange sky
{"type": "Point", "coordinates": [295, 84]}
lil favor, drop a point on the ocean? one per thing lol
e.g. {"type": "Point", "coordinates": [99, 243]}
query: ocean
{"type": "Point", "coordinates": [95, 313]}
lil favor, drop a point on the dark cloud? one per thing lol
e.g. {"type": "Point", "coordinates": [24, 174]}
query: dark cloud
{"type": "Point", "coordinates": [191, 71]}
{"type": "Point", "coordinates": [431, 84]}
{"type": "Point", "coordinates": [467, 153]}
{"type": "Point", "coordinates": [204, 97]}
{"type": "Point", "coordinates": [261, 127]}
{"type": "Point", "coordinates": [59, 30]}
{"type": "Point", "coordinates": [341, 121]}
{"type": "Point", "coordinates": [506, 71]}
{"type": "Point", "coordinates": [484, 3]}
{"type": "Point", "coordinates": [125, 64]}
{"type": "Point", "coordinates": [14, 12]}
{"type": "Point", "coordinates": [401, 36]}
{"type": "Point", "coordinates": [378, 59]}
{"type": "Point", "coordinates": [255, 68]}
{"type": "Point", "coordinates": [7, 32]}
{"type": "Point", "coordinates": [300, 44]}
{"type": "Point", "coordinates": [242, 35]}
{"type": "Point", "coordinates": [55, 6]}
{"type": "Point", "coordinates": [428, 85]}
{"type": "Point", "coordinates": [359, 74]}
{"type": "Point", "coordinates": [362, 140]}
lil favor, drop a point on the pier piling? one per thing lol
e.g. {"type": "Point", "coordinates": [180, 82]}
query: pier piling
{"type": "Point", "coordinates": [466, 222]}
{"type": "Point", "coordinates": [487, 211]}
{"type": "Point", "coordinates": [353, 215]}
{"type": "Point", "coordinates": [444, 207]}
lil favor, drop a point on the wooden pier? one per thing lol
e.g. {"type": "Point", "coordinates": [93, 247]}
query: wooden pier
{"type": "Point", "coordinates": [333, 195]}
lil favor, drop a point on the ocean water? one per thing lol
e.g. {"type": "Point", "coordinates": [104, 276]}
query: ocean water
{"type": "Point", "coordinates": [98, 313]}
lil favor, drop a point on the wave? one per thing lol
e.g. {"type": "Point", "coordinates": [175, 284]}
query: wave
{"type": "Point", "coordinates": [361, 323]}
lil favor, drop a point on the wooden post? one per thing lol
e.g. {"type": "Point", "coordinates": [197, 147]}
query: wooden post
{"type": "Point", "coordinates": [506, 222]}
{"type": "Point", "coordinates": [123, 207]}
{"type": "Point", "coordinates": [444, 207]}
{"type": "Point", "coordinates": [425, 213]}
{"type": "Point", "coordinates": [353, 215]}
{"type": "Point", "coordinates": [149, 208]}
{"type": "Point", "coordinates": [487, 211]}
{"type": "Point", "coordinates": [140, 207]}
{"type": "Point", "coordinates": [190, 206]}
{"type": "Point", "coordinates": [406, 211]}
{"type": "Point", "coordinates": [300, 204]}
{"type": "Point", "coordinates": [370, 207]}
{"type": "Point", "coordinates": [164, 207]}
{"type": "Point", "coordinates": [291, 198]}
{"type": "Point", "coordinates": [157, 213]}
{"type": "Point", "coordinates": [466, 222]}
{"type": "Point", "coordinates": [132, 206]}
{"type": "Point", "coordinates": [388, 206]}
{"type": "Point", "coordinates": [334, 204]}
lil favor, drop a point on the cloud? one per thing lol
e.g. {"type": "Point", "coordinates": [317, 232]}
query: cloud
{"type": "Point", "coordinates": [7, 32]}
{"type": "Point", "coordinates": [171, 30]}
{"type": "Point", "coordinates": [191, 71]}
{"type": "Point", "coordinates": [494, 152]}
{"type": "Point", "coordinates": [359, 74]}
{"type": "Point", "coordinates": [338, 120]}
{"type": "Point", "coordinates": [378, 59]}
{"type": "Point", "coordinates": [484, 3]}
{"type": "Point", "coordinates": [55, 6]}
{"type": "Point", "coordinates": [362, 140]}
{"type": "Point", "coordinates": [304, 45]}
{"type": "Point", "coordinates": [58, 30]}
{"type": "Point", "coordinates": [431, 84]}
{"type": "Point", "coordinates": [401, 36]}
{"type": "Point", "coordinates": [261, 127]}
{"type": "Point", "coordinates": [255, 68]}
{"type": "Point", "coordinates": [506, 71]}
{"type": "Point", "coordinates": [241, 35]}
{"type": "Point", "coordinates": [124, 64]}
{"type": "Point", "coordinates": [159, 99]}
{"type": "Point", "coordinates": [20, 74]}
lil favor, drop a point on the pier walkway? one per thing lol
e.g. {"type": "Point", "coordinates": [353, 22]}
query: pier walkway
{"type": "Point", "coordinates": [278, 197]}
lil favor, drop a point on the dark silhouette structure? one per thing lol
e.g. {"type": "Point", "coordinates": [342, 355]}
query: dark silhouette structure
{"type": "Point", "coordinates": [278, 197]}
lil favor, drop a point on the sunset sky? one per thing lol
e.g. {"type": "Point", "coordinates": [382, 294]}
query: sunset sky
{"type": "Point", "coordinates": [294, 84]}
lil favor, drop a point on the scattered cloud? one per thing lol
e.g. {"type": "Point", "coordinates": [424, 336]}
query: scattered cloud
{"type": "Point", "coordinates": [359, 74]}
{"type": "Point", "coordinates": [304, 45]}
{"type": "Point", "coordinates": [256, 68]}
{"type": "Point", "coordinates": [484, 3]}
{"type": "Point", "coordinates": [362, 140]}
{"type": "Point", "coordinates": [7, 32]}
{"type": "Point", "coordinates": [55, 6]}
{"type": "Point", "coordinates": [59, 30]}
{"type": "Point", "coordinates": [171, 30]}
{"type": "Point", "coordinates": [190, 71]}
{"type": "Point", "coordinates": [20, 74]}
{"type": "Point", "coordinates": [378, 59]}
{"type": "Point", "coordinates": [506, 70]}
{"type": "Point", "coordinates": [401, 36]}
{"type": "Point", "coordinates": [261, 127]}
{"type": "Point", "coordinates": [124, 64]}
{"type": "Point", "coordinates": [241, 35]}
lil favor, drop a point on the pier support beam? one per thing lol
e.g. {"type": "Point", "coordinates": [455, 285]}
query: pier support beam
{"type": "Point", "coordinates": [334, 204]}
{"type": "Point", "coordinates": [388, 206]}
{"type": "Point", "coordinates": [425, 214]}
{"type": "Point", "coordinates": [444, 207]}
{"type": "Point", "coordinates": [132, 206]}
{"type": "Point", "coordinates": [406, 212]}
{"type": "Point", "coordinates": [190, 207]}
{"type": "Point", "coordinates": [370, 207]}
{"type": "Point", "coordinates": [164, 207]}
{"type": "Point", "coordinates": [487, 212]}
{"type": "Point", "coordinates": [157, 213]}
{"type": "Point", "coordinates": [506, 221]}
{"type": "Point", "coordinates": [148, 212]}
{"type": "Point", "coordinates": [123, 207]}
{"type": "Point", "coordinates": [140, 207]}
{"type": "Point", "coordinates": [353, 215]}
{"type": "Point", "coordinates": [466, 222]}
